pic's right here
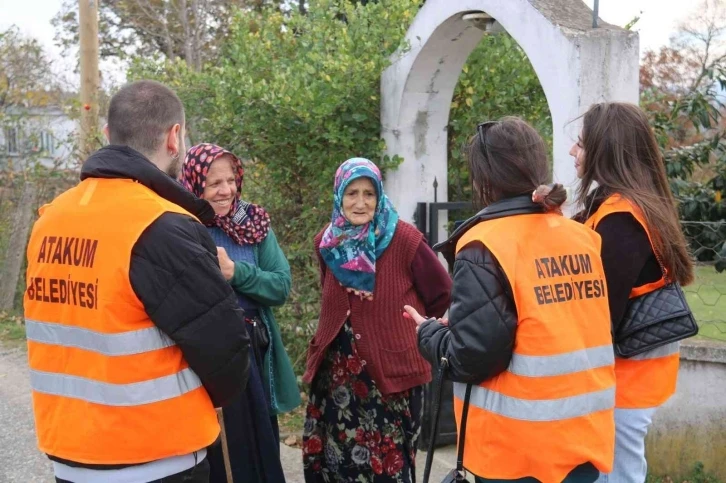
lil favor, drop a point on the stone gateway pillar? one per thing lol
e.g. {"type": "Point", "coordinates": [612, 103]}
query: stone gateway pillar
{"type": "Point", "coordinates": [577, 66]}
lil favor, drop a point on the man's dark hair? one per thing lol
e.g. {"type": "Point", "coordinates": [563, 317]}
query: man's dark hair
{"type": "Point", "coordinates": [141, 114]}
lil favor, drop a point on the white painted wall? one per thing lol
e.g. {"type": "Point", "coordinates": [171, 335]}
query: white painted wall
{"type": "Point", "coordinates": [577, 66]}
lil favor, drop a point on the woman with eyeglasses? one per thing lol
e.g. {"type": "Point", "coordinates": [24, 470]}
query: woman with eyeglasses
{"type": "Point", "coordinates": [527, 342]}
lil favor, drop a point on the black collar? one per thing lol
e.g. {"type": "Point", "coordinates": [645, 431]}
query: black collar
{"type": "Point", "coordinates": [123, 162]}
{"type": "Point", "coordinates": [517, 205]}
{"type": "Point", "coordinates": [593, 202]}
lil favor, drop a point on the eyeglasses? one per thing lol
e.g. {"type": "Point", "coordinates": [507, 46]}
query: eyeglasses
{"type": "Point", "coordinates": [481, 130]}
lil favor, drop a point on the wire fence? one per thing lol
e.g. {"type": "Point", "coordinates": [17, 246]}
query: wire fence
{"type": "Point", "coordinates": [707, 294]}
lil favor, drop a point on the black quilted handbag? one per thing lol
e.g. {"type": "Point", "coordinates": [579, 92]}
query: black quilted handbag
{"type": "Point", "coordinates": [653, 320]}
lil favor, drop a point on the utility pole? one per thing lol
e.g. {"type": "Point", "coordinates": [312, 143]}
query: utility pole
{"type": "Point", "coordinates": [595, 13]}
{"type": "Point", "coordinates": [88, 33]}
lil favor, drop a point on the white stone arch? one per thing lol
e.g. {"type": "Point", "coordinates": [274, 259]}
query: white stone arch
{"type": "Point", "coordinates": [577, 65]}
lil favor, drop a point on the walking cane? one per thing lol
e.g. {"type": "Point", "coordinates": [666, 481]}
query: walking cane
{"type": "Point", "coordinates": [225, 449]}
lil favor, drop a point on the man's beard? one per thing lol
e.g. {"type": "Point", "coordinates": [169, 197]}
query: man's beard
{"type": "Point", "coordinates": [174, 168]}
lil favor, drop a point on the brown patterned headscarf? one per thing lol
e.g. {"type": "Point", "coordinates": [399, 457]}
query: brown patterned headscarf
{"type": "Point", "coordinates": [246, 224]}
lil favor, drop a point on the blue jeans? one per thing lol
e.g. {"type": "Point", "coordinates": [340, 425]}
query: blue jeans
{"type": "Point", "coordinates": [631, 426]}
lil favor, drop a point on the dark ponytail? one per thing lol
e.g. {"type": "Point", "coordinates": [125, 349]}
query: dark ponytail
{"type": "Point", "coordinates": [550, 196]}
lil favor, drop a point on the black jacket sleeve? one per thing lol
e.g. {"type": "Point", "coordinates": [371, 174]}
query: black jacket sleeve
{"type": "Point", "coordinates": [479, 340]}
{"type": "Point", "coordinates": [175, 273]}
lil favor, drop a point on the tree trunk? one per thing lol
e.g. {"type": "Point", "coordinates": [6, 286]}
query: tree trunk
{"type": "Point", "coordinates": [22, 218]}
{"type": "Point", "coordinates": [170, 51]}
{"type": "Point", "coordinates": [187, 33]}
{"type": "Point", "coordinates": [199, 22]}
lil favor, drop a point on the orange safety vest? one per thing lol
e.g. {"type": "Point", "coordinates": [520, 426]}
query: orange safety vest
{"type": "Point", "coordinates": [108, 386]}
{"type": "Point", "coordinates": [552, 409]}
{"type": "Point", "coordinates": [649, 379]}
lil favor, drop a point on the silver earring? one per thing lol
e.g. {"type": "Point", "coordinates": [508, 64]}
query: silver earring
{"type": "Point", "coordinates": [174, 157]}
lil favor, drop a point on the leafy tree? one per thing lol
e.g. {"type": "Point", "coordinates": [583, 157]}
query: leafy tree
{"type": "Point", "coordinates": [682, 88]}
{"type": "Point", "coordinates": [27, 88]}
{"type": "Point", "coordinates": [191, 30]}
{"type": "Point", "coordinates": [25, 71]}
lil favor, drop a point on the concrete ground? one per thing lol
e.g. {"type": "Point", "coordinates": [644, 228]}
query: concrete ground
{"type": "Point", "coordinates": [444, 461]}
{"type": "Point", "coordinates": [21, 462]}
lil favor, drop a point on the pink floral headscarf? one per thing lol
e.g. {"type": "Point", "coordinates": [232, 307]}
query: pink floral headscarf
{"type": "Point", "coordinates": [246, 224]}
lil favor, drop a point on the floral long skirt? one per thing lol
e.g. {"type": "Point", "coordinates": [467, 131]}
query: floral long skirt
{"type": "Point", "coordinates": [353, 433]}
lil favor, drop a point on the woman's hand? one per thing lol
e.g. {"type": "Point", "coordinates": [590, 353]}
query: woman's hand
{"type": "Point", "coordinates": [411, 313]}
{"type": "Point", "coordinates": [225, 263]}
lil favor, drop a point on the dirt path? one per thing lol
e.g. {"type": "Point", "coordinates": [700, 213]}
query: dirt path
{"type": "Point", "coordinates": [20, 461]}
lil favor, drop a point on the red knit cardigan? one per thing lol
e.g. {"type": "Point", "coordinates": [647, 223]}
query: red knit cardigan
{"type": "Point", "coordinates": [384, 339]}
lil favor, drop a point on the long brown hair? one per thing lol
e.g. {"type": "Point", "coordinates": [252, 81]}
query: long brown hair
{"type": "Point", "coordinates": [622, 156]}
{"type": "Point", "coordinates": [509, 158]}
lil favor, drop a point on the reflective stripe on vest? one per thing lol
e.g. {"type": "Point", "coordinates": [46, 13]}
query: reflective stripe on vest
{"type": "Point", "coordinates": [559, 364]}
{"type": "Point", "coordinates": [538, 409]}
{"type": "Point", "coordinates": [658, 352]}
{"type": "Point", "coordinates": [120, 344]}
{"type": "Point", "coordinates": [135, 394]}
{"type": "Point", "coordinates": [544, 366]}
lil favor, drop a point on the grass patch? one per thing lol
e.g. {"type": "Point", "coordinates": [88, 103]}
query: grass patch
{"type": "Point", "coordinates": [707, 299]}
{"type": "Point", "coordinates": [292, 422]}
{"type": "Point", "coordinates": [697, 475]}
{"type": "Point", "coordinates": [12, 329]}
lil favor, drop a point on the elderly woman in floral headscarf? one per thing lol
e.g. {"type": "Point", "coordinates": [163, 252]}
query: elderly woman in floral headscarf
{"type": "Point", "coordinates": [366, 374]}
{"type": "Point", "coordinates": [253, 263]}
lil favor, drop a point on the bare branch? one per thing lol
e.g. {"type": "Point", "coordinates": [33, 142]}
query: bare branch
{"type": "Point", "coordinates": [191, 29]}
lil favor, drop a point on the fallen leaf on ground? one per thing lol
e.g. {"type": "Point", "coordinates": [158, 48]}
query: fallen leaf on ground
{"type": "Point", "coordinates": [291, 440]}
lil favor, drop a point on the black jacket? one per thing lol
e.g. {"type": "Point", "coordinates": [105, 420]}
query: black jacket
{"type": "Point", "coordinates": [479, 340]}
{"type": "Point", "coordinates": [175, 273]}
